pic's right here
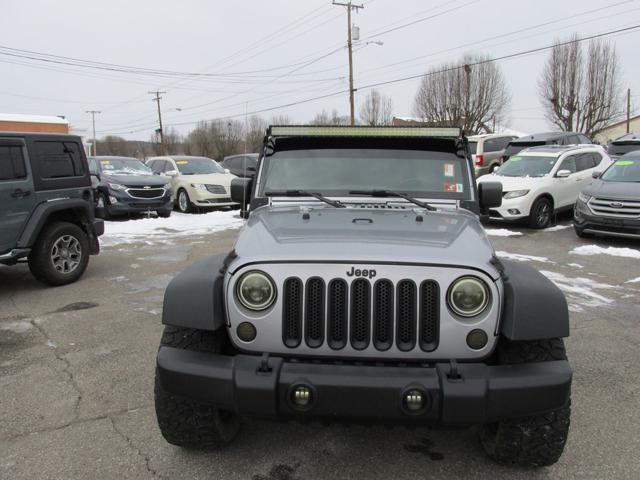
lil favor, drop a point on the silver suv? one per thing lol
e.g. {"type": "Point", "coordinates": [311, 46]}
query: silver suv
{"type": "Point", "coordinates": [487, 151]}
{"type": "Point", "coordinates": [363, 287]}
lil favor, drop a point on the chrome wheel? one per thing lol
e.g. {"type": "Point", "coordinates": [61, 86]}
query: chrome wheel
{"type": "Point", "coordinates": [183, 201]}
{"type": "Point", "coordinates": [544, 214]}
{"type": "Point", "coordinates": [66, 254]}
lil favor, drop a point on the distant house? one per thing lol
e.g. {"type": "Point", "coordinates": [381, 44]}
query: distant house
{"type": "Point", "coordinates": [15, 122]}
{"type": "Point", "coordinates": [616, 130]}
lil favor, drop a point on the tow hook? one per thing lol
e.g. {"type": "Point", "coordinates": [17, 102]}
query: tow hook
{"type": "Point", "coordinates": [264, 367]}
{"type": "Point", "coordinates": [454, 373]}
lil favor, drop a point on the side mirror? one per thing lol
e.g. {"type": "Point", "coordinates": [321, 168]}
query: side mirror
{"type": "Point", "coordinates": [596, 174]}
{"type": "Point", "coordinates": [241, 191]}
{"type": "Point", "coordinates": [172, 173]}
{"type": "Point", "coordinates": [226, 170]}
{"type": "Point", "coordinates": [563, 173]}
{"type": "Point", "coordinates": [490, 195]}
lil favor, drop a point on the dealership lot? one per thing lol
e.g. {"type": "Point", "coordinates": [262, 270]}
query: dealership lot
{"type": "Point", "coordinates": [76, 372]}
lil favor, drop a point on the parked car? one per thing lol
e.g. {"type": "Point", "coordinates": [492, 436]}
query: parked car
{"type": "Point", "coordinates": [46, 206]}
{"type": "Point", "coordinates": [241, 165]}
{"type": "Point", "coordinates": [540, 181]}
{"type": "Point", "coordinates": [125, 185]}
{"type": "Point", "coordinates": [487, 151]}
{"type": "Point", "coordinates": [363, 288]}
{"type": "Point", "coordinates": [625, 144]}
{"type": "Point", "coordinates": [611, 204]}
{"type": "Point", "coordinates": [197, 182]}
{"type": "Point", "coordinates": [548, 138]}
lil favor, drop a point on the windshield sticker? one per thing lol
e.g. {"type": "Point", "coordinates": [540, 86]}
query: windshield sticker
{"type": "Point", "coordinates": [449, 170]}
{"type": "Point", "coordinates": [515, 159]}
{"type": "Point", "coordinates": [459, 188]}
{"type": "Point", "coordinates": [625, 162]}
{"type": "Point", "coordinates": [450, 187]}
{"type": "Point", "coordinates": [182, 162]}
{"type": "Point", "coordinates": [107, 166]}
{"type": "Point", "coordinates": [105, 162]}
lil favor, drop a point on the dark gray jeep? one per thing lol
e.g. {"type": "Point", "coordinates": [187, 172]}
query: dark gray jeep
{"type": "Point", "coordinates": [46, 206]}
{"type": "Point", "coordinates": [363, 288]}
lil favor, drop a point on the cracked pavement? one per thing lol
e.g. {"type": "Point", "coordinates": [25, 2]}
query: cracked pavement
{"type": "Point", "coordinates": [76, 381]}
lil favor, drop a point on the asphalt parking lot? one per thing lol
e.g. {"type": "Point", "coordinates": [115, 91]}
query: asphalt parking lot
{"type": "Point", "coordinates": [76, 378]}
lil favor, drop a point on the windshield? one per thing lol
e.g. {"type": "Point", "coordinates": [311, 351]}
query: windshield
{"type": "Point", "coordinates": [620, 149]}
{"type": "Point", "coordinates": [198, 166]}
{"type": "Point", "coordinates": [124, 165]}
{"type": "Point", "coordinates": [336, 172]}
{"type": "Point", "coordinates": [473, 147]}
{"type": "Point", "coordinates": [527, 166]}
{"type": "Point", "coordinates": [623, 170]}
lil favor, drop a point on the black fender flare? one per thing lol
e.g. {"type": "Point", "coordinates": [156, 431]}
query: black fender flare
{"type": "Point", "coordinates": [43, 212]}
{"type": "Point", "coordinates": [195, 298]}
{"type": "Point", "coordinates": [534, 307]}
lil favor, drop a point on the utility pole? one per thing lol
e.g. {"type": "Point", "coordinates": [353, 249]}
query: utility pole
{"type": "Point", "coordinates": [93, 121]}
{"type": "Point", "coordinates": [156, 99]}
{"type": "Point", "coordinates": [628, 108]}
{"type": "Point", "coordinates": [350, 6]}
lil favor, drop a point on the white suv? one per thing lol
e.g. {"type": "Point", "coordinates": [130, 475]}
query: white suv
{"type": "Point", "coordinates": [539, 181]}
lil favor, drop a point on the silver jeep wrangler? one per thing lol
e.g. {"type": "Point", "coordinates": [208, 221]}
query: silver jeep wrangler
{"type": "Point", "coordinates": [363, 287]}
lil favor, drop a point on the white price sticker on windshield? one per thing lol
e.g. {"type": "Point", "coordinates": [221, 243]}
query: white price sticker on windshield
{"type": "Point", "coordinates": [449, 170]}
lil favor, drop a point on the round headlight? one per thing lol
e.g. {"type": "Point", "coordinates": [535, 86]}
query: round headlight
{"type": "Point", "coordinates": [256, 290]}
{"type": "Point", "coordinates": [468, 296]}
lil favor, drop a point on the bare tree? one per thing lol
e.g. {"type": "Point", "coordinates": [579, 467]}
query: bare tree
{"type": "Point", "coordinates": [280, 120]}
{"type": "Point", "coordinates": [326, 118]}
{"type": "Point", "coordinates": [114, 145]}
{"type": "Point", "coordinates": [580, 95]}
{"type": "Point", "coordinates": [173, 143]}
{"type": "Point", "coordinates": [254, 135]}
{"type": "Point", "coordinates": [470, 93]}
{"type": "Point", "coordinates": [199, 141]}
{"type": "Point", "coordinates": [376, 109]}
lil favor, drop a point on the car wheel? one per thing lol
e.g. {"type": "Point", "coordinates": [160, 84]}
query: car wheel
{"type": "Point", "coordinates": [541, 213]}
{"type": "Point", "coordinates": [60, 254]}
{"type": "Point", "coordinates": [189, 423]}
{"type": "Point", "coordinates": [533, 441]}
{"type": "Point", "coordinates": [580, 232]}
{"type": "Point", "coordinates": [184, 204]}
{"type": "Point", "coordinates": [102, 207]}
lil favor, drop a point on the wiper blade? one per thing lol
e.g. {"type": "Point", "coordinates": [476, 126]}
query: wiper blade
{"type": "Point", "coordinates": [390, 193]}
{"type": "Point", "coordinates": [303, 193]}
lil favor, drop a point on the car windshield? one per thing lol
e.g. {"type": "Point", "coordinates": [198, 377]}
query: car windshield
{"type": "Point", "coordinates": [337, 172]}
{"type": "Point", "coordinates": [527, 166]}
{"type": "Point", "coordinates": [473, 147]}
{"type": "Point", "coordinates": [123, 166]}
{"type": "Point", "coordinates": [198, 166]}
{"type": "Point", "coordinates": [623, 170]}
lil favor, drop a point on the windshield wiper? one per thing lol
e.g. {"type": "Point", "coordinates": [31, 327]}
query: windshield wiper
{"type": "Point", "coordinates": [390, 193]}
{"type": "Point", "coordinates": [303, 193]}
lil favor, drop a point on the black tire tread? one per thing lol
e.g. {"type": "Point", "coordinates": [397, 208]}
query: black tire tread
{"type": "Point", "coordinates": [190, 423]}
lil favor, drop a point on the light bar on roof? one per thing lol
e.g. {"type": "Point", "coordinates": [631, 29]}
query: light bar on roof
{"type": "Point", "coordinates": [361, 131]}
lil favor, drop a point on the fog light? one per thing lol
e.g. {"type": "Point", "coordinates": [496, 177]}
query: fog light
{"type": "Point", "coordinates": [477, 339]}
{"type": "Point", "coordinates": [414, 400]}
{"type": "Point", "coordinates": [301, 396]}
{"type": "Point", "coordinates": [513, 211]}
{"type": "Point", "coordinates": [113, 199]}
{"type": "Point", "coordinates": [246, 332]}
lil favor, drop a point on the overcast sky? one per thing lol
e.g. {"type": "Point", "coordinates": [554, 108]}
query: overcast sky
{"type": "Point", "coordinates": [270, 53]}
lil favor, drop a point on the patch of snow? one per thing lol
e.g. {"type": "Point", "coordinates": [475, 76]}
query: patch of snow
{"type": "Point", "coordinates": [135, 265]}
{"type": "Point", "coordinates": [613, 251]}
{"type": "Point", "coordinates": [580, 291]}
{"type": "Point", "coordinates": [556, 228]}
{"type": "Point", "coordinates": [16, 327]}
{"type": "Point", "coordinates": [522, 258]}
{"type": "Point", "coordinates": [501, 232]}
{"type": "Point", "coordinates": [633, 280]}
{"type": "Point", "coordinates": [51, 344]}
{"type": "Point", "coordinates": [154, 231]}
{"type": "Point", "coordinates": [575, 265]}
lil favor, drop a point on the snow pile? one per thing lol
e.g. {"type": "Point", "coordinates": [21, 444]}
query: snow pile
{"type": "Point", "coordinates": [153, 231]}
{"type": "Point", "coordinates": [522, 258]}
{"type": "Point", "coordinates": [501, 232]}
{"type": "Point", "coordinates": [613, 251]}
{"type": "Point", "coordinates": [556, 228]}
{"type": "Point", "coordinates": [580, 291]}
{"type": "Point", "coordinates": [633, 280]}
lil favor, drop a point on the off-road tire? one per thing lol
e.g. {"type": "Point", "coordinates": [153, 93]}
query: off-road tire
{"type": "Point", "coordinates": [534, 441]}
{"type": "Point", "coordinates": [188, 207]}
{"type": "Point", "coordinates": [189, 423]}
{"type": "Point", "coordinates": [40, 261]}
{"type": "Point", "coordinates": [537, 217]}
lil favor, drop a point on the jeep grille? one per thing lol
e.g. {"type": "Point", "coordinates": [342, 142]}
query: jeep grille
{"type": "Point", "coordinates": [364, 314]}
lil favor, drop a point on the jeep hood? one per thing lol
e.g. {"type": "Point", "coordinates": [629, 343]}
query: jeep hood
{"type": "Point", "coordinates": [613, 190]}
{"type": "Point", "coordinates": [364, 235]}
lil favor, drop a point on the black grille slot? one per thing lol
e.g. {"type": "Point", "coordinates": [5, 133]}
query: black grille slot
{"type": "Point", "coordinates": [406, 317]}
{"type": "Point", "coordinates": [383, 314]}
{"type": "Point", "coordinates": [292, 312]}
{"type": "Point", "coordinates": [314, 312]}
{"type": "Point", "coordinates": [219, 189]}
{"type": "Point", "coordinates": [429, 315]}
{"type": "Point", "coordinates": [147, 193]}
{"type": "Point", "coordinates": [360, 313]}
{"type": "Point", "coordinates": [337, 315]}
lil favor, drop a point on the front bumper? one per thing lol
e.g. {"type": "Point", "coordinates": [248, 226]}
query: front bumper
{"type": "Point", "coordinates": [512, 209]}
{"type": "Point", "coordinates": [127, 204]}
{"type": "Point", "coordinates": [365, 392]}
{"type": "Point", "coordinates": [587, 222]}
